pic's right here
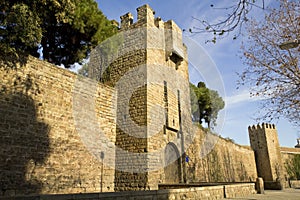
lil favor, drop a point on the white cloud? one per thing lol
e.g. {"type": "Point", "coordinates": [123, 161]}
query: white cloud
{"type": "Point", "coordinates": [240, 98]}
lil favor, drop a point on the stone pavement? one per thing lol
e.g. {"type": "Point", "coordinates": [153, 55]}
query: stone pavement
{"type": "Point", "coordinates": [287, 194]}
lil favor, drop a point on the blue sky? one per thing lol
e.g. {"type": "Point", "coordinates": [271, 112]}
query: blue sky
{"type": "Point", "coordinates": [224, 56]}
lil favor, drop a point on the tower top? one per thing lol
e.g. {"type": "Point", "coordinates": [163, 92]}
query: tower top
{"type": "Point", "coordinates": [144, 12]}
{"type": "Point", "coordinates": [146, 18]}
{"type": "Point", "coordinates": [262, 126]}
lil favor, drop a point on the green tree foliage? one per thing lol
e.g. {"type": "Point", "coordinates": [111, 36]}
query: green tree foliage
{"type": "Point", "coordinates": [65, 29]}
{"type": "Point", "coordinates": [293, 167]}
{"type": "Point", "coordinates": [206, 104]}
{"type": "Point", "coordinates": [273, 73]}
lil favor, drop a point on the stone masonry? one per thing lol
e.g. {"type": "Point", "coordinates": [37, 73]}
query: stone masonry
{"type": "Point", "coordinates": [150, 75]}
{"type": "Point", "coordinates": [271, 159]}
{"type": "Point", "coordinates": [43, 149]}
{"type": "Point", "coordinates": [62, 133]}
{"type": "Point", "coordinates": [264, 142]}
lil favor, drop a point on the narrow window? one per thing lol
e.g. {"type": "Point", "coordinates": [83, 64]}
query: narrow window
{"type": "Point", "coordinates": [166, 102]}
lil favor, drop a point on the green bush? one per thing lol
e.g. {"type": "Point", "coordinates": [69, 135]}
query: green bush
{"type": "Point", "coordinates": [293, 167]}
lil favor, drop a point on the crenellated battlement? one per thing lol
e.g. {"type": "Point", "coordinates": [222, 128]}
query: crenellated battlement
{"type": "Point", "coordinates": [170, 24]}
{"type": "Point", "coordinates": [261, 126]}
{"type": "Point", "coordinates": [146, 17]}
{"type": "Point", "coordinates": [145, 12]}
{"type": "Point", "coordinates": [126, 20]}
{"type": "Point", "coordinates": [166, 36]}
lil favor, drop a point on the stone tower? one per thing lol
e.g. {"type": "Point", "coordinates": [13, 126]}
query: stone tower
{"type": "Point", "coordinates": [264, 142]}
{"type": "Point", "coordinates": [149, 70]}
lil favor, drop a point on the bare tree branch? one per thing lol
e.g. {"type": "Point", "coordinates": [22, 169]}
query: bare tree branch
{"type": "Point", "coordinates": [238, 15]}
{"type": "Point", "coordinates": [273, 73]}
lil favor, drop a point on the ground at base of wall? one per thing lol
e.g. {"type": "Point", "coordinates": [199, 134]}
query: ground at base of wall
{"type": "Point", "coordinates": [286, 194]}
{"type": "Point", "coordinates": [201, 193]}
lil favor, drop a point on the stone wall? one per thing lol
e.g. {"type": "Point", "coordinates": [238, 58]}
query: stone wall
{"type": "Point", "coordinates": [287, 154]}
{"type": "Point", "coordinates": [294, 184]}
{"type": "Point", "coordinates": [61, 133]}
{"type": "Point", "coordinates": [46, 143]}
{"type": "Point", "coordinates": [201, 193]}
{"type": "Point", "coordinates": [239, 190]}
{"type": "Point", "coordinates": [215, 159]}
{"type": "Point", "coordinates": [264, 142]}
{"type": "Point", "coordinates": [56, 128]}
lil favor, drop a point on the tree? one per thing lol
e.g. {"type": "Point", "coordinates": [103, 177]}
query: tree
{"type": "Point", "coordinates": [234, 20]}
{"type": "Point", "coordinates": [273, 73]}
{"type": "Point", "coordinates": [65, 29]}
{"type": "Point", "coordinates": [292, 167]}
{"type": "Point", "coordinates": [206, 104]}
{"type": "Point", "coordinates": [217, 104]}
{"type": "Point", "coordinates": [87, 29]}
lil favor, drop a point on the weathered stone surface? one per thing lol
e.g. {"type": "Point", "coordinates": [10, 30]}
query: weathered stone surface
{"type": "Point", "coordinates": [219, 160]}
{"type": "Point", "coordinates": [264, 142]}
{"type": "Point", "coordinates": [260, 185]}
{"type": "Point", "coordinates": [61, 133]}
{"type": "Point", "coordinates": [43, 150]}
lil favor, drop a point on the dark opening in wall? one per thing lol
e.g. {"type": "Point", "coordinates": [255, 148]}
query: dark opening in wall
{"type": "Point", "coordinates": [176, 59]}
{"type": "Point", "coordinates": [166, 102]}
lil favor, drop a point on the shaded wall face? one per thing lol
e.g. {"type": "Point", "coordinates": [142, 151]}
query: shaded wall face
{"type": "Point", "coordinates": [215, 159]}
{"type": "Point", "coordinates": [290, 163]}
{"type": "Point", "coordinates": [43, 146]}
{"type": "Point", "coordinates": [24, 143]}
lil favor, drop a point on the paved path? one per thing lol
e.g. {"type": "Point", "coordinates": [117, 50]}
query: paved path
{"type": "Point", "coordinates": [287, 194]}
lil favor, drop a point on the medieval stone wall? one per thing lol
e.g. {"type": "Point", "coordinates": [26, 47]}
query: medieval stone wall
{"type": "Point", "coordinates": [46, 143]}
{"type": "Point", "coordinates": [215, 159]}
{"type": "Point", "coordinates": [196, 193]}
{"type": "Point", "coordinates": [287, 154]}
{"type": "Point", "coordinates": [62, 133]}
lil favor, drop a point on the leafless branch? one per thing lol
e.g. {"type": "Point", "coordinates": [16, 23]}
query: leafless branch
{"type": "Point", "coordinates": [271, 72]}
{"type": "Point", "coordinates": [238, 15]}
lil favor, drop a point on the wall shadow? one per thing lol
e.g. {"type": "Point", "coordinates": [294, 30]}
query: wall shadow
{"type": "Point", "coordinates": [24, 145]}
{"type": "Point", "coordinates": [10, 59]}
